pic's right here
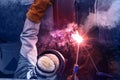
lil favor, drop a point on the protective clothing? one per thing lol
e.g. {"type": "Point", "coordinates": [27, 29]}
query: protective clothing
{"type": "Point", "coordinates": [50, 65]}
{"type": "Point", "coordinates": [29, 39]}
{"type": "Point", "coordinates": [28, 57]}
{"type": "Point", "coordinates": [28, 52]}
{"type": "Point", "coordinates": [37, 10]}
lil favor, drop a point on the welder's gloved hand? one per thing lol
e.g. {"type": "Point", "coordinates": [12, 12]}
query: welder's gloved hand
{"type": "Point", "coordinates": [37, 10]}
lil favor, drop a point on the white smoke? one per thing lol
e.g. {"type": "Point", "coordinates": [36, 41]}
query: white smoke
{"type": "Point", "coordinates": [63, 36]}
{"type": "Point", "coordinates": [108, 18]}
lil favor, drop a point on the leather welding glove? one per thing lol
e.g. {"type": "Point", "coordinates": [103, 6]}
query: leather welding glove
{"type": "Point", "coordinates": [37, 10]}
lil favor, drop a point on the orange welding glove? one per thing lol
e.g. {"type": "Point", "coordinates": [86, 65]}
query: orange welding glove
{"type": "Point", "coordinates": [37, 10]}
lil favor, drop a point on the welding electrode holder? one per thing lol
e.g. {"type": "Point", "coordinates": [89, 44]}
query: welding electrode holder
{"type": "Point", "coordinates": [75, 71]}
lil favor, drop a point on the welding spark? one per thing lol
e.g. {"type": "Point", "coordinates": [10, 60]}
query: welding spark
{"type": "Point", "coordinates": [76, 36]}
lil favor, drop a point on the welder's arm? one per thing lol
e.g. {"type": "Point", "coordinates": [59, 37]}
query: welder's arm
{"type": "Point", "coordinates": [31, 29]}
{"type": "Point", "coordinates": [29, 39]}
{"type": "Point", "coordinates": [28, 52]}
